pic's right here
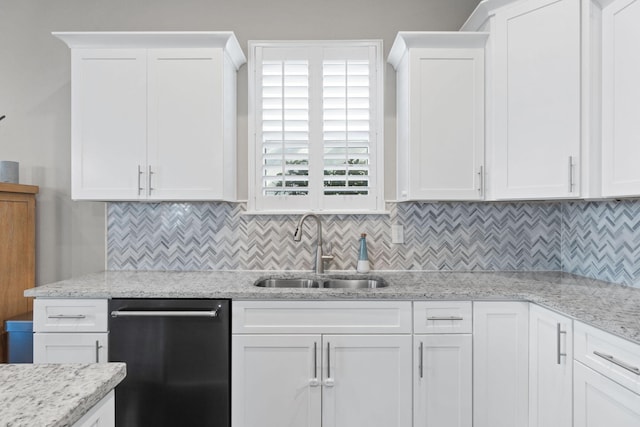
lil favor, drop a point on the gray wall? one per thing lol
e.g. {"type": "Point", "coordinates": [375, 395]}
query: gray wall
{"type": "Point", "coordinates": [35, 88]}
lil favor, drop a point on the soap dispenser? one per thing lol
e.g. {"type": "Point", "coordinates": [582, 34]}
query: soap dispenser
{"type": "Point", "coordinates": [363, 257]}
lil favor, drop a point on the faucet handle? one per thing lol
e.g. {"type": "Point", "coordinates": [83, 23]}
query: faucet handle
{"type": "Point", "coordinates": [329, 255]}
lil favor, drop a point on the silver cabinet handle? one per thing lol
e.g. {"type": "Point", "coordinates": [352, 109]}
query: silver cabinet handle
{"type": "Point", "coordinates": [98, 347]}
{"type": "Point", "coordinates": [67, 316]}
{"type": "Point", "coordinates": [421, 359]}
{"type": "Point", "coordinates": [150, 188]}
{"type": "Point", "coordinates": [571, 174]}
{"type": "Point", "coordinates": [618, 362]}
{"type": "Point", "coordinates": [445, 318]}
{"type": "Point", "coordinates": [192, 313]}
{"type": "Point", "coordinates": [559, 335]}
{"type": "Point", "coordinates": [481, 181]}
{"type": "Point", "coordinates": [139, 180]}
{"type": "Point", "coordinates": [313, 382]}
{"type": "Point", "coordinates": [328, 360]}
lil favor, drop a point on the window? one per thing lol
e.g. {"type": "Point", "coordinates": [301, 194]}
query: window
{"type": "Point", "coordinates": [315, 126]}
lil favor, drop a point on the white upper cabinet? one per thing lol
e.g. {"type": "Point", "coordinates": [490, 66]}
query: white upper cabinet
{"type": "Point", "coordinates": [534, 97]}
{"type": "Point", "coordinates": [440, 115]}
{"type": "Point", "coordinates": [154, 115]}
{"type": "Point", "coordinates": [620, 95]}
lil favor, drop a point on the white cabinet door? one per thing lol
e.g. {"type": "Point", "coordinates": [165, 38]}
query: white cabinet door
{"type": "Point", "coordinates": [500, 364]}
{"type": "Point", "coordinates": [70, 347]}
{"type": "Point", "coordinates": [440, 105]}
{"type": "Point", "coordinates": [109, 123]}
{"type": "Point", "coordinates": [366, 381]}
{"type": "Point", "coordinates": [276, 380]}
{"type": "Point", "coordinates": [620, 94]}
{"type": "Point", "coordinates": [536, 63]}
{"type": "Point", "coordinates": [598, 401]}
{"type": "Point", "coordinates": [442, 384]}
{"type": "Point", "coordinates": [185, 93]}
{"type": "Point", "coordinates": [103, 414]}
{"type": "Point", "coordinates": [550, 368]}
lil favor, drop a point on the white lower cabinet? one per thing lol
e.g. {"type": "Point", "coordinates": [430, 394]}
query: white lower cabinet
{"type": "Point", "coordinates": [276, 380]}
{"type": "Point", "coordinates": [70, 347]}
{"type": "Point", "coordinates": [550, 368]}
{"type": "Point", "coordinates": [442, 385]}
{"type": "Point", "coordinates": [103, 414]}
{"type": "Point", "coordinates": [345, 379]}
{"type": "Point", "coordinates": [500, 364]}
{"type": "Point", "coordinates": [321, 380]}
{"type": "Point", "coordinates": [599, 401]}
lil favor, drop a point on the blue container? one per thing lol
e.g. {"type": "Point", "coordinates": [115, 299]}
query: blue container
{"type": "Point", "coordinates": [20, 338]}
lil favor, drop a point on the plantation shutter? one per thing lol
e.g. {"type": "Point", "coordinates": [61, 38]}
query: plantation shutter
{"type": "Point", "coordinates": [315, 138]}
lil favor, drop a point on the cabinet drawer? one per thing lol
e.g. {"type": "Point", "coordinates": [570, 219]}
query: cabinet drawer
{"type": "Point", "coordinates": [388, 317]}
{"type": "Point", "coordinates": [442, 317]}
{"type": "Point", "coordinates": [613, 357]}
{"type": "Point", "coordinates": [70, 315]}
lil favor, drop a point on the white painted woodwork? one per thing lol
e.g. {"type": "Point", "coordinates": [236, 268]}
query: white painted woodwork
{"type": "Point", "coordinates": [108, 129]}
{"type": "Point", "coordinates": [380, 317]}
{"type": "Point", "coordinates": [369, 383]}
{"type": "Point", "coordinates": [620, 94]}
{"type": "Point", "coordinates": [276, 380]}
{"type": "Point", "coordinates": [70, 347]}
{"type": "Point", "coordinates": [70, 315]}
{"type": "Point", "coordinates": [442, 380]}
{"type": "Point", "coordinates": [599, 401]}
{"type": "Point", "coordinates": [103, 414]}
{"type": "Point", "coordinates": [500, 364]}
{"type": "Point", "coordinates": [536, 97]}
{"type": "Point", "coordinates": [442, 317]}
{"type": "Point", "coordinates": [440, 113]}
{"type": "Point", "coordinates": [550, 368]}
{"type": "Point", "coordinates": [589, 340]}
{"type": "Point", "coordinates": [154, 115]}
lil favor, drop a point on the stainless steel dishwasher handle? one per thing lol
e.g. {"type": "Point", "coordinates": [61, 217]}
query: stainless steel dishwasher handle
{"type": "Point", "coordinates": [159, 313]}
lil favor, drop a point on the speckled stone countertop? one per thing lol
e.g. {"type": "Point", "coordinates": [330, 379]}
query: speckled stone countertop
{"type": "Point", "coordinates": [53, 395]}
{"type": "Point", "coordinates": [613, 308]}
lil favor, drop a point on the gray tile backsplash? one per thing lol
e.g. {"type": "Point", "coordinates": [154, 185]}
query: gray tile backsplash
{"type": "Point", "coordinates": [438, 236]}
{"type": "Point", "coordinates": [594, 239]}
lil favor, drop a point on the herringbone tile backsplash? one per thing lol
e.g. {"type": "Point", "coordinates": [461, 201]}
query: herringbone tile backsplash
{"type": "Point", "coordinates": [438, 236]}
{"type": "Point", "coordinates": [593, 239]}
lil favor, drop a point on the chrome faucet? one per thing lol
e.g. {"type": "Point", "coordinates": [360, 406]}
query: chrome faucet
{"type": "Point", "coordinates": [320, 257]}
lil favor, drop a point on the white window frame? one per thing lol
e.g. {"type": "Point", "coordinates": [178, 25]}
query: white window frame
{"type": "Point", "coordinates": [317, 202]}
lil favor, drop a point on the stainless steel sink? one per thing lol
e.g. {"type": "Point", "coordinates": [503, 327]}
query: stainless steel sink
{"type": "Point", "coordinates": [333, 283]}
{"type": "Point", "coordinates": [287, 283]}
{"type": "Point", "coordinates": [354, 283]}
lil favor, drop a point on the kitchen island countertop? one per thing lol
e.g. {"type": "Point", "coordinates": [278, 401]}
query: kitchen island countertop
{"type": "Point", "coordinates": [53, 395]}
{"type": "Point", "coordinates": [611, 307]}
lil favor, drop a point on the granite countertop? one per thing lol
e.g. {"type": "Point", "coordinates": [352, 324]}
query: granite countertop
{"type": "Point", "coordinates": [613, 308]}
{"type": "Point", "coordinates": [53, 395]}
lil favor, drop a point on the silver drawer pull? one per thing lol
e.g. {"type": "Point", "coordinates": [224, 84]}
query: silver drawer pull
{"type": "Point", "coordinates": [445, 318]}
{"type": "Point", "coordinates": [618, 362]}
{"type": "Point", "coordinates": [132, 313]}
{"type": "Point", "coordinates": [67, 316]}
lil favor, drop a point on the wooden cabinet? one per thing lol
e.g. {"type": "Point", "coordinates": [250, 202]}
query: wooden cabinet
{"type": "Point", "coordinates": [293, 374]}
{"type": "Point", "coordinates": [17, 252]}
{"type": "Point", "coordinates": [500, 364]}
{"type": "Point", "coordinates": [70, 331]}
{"type": "Point", "coordinates": [440, 115]}
{"type": "Point", "coordinates": [550, 368]}
{"type": "Point", "coordinates": [620, 94]}
{"type": "Point", "coordinates": [154, 115]}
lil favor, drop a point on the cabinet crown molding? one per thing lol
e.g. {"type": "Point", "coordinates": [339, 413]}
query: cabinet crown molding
{"type": "Point", "coordinates": [155, 39]}
{"type": "Point", "coordinates": [433, 39]}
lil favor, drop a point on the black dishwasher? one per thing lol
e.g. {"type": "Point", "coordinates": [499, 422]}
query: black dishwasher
{"type": "Point", "coordinates": [177, 353]}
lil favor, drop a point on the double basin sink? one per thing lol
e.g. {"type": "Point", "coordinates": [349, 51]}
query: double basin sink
{"type": "Point", "coordinates": [330, 283]}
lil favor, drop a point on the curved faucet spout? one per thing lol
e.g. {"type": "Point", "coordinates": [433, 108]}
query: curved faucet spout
{"type": "Point", "coordinates": [297, 236]}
